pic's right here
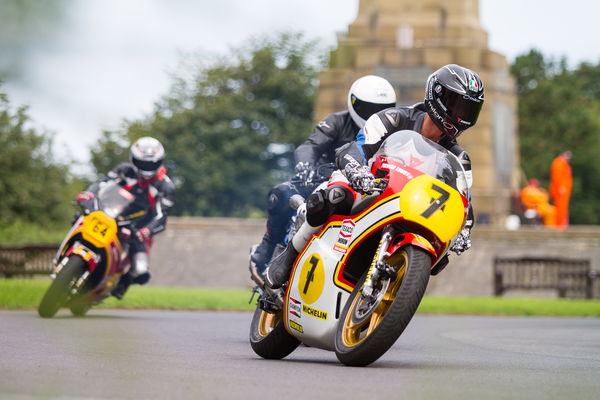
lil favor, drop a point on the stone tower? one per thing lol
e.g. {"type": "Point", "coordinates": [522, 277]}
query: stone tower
{"type": "Point", "coordinates": [406, 40]}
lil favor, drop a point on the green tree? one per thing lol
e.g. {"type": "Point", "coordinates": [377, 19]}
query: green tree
{"type": "Point", "coordinates": [230, 130]}
{"type": "Point", "coordinates": [34, 188]}
{"type": "Point", "coordinates": [558, 111]}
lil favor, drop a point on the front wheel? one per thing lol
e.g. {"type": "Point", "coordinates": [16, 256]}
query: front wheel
{"type": "Point", "coordinates": [367, 327]}
{"type": "Point", "coordinates": [59, 291]}
{"type": "Point", "coordinates": [79, 309]}
{"type": "Point", "coordinates": [268, 337]}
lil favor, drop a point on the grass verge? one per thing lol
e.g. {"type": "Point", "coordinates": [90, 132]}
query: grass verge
{"type": "Point", "coordinates": [18, 294]}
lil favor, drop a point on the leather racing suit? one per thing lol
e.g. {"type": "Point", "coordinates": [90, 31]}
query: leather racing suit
{"type": "Point", "coordinates": [316, 153]}
{"type": "Point", "coordinates": [150, 208]}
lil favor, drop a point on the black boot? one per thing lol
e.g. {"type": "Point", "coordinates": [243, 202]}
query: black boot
{"type": "Point", "coordinates": [122, 286]}
{"type": "Point", "coordinates": [263, 252]}
{"type": "Point", "coordinates": [278, 270]}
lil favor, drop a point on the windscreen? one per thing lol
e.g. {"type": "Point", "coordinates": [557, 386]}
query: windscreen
{"type": "Point", "coordinates": [420, 153]}
{"type": "Point", "coordinates": [112, 199]}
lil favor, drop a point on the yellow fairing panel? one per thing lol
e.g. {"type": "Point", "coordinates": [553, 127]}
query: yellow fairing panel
{"type": "Point", "coordinates": [433, 204]}
{"type": "Point", "coordinates": [99, 229]}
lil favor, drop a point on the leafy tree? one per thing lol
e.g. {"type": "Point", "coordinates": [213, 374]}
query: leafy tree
{"type": "Point", "coordinates": [34, 188]}
{"type": "Point", "coordinates": [558, 111]}
{"type": "Point", "coordinates": [230, 129]}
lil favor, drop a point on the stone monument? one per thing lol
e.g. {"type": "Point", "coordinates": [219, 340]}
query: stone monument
{"type": "Point", "coordinates": [406, 40]}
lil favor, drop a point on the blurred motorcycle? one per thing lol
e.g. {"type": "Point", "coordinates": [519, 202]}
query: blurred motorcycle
{"type": "Point", "coordinates": [93, 255]}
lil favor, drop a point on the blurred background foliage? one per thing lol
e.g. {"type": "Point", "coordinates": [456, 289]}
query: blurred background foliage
{"type": "Point", "coordinates": [229, 125]}
{"type": "Point", "coordinates": [35, 189]}
{"type": "Point", "coordinates": [559, 110]}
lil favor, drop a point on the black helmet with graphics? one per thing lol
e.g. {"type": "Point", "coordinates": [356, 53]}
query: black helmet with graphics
{"type": "Point", "coordinates": [368, 95]}
{"type": "Point", "coordinates": [453, 99]}
{"type": "Point", "coordinates": [147, 155]}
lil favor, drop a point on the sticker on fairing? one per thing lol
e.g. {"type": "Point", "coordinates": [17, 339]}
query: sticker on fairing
{"type": "Point", "coordinates": [295, 307]}
{"type": "Point", "coordinates": [296, 326]}
{"type": "Point", "coordinates": [345, 236]}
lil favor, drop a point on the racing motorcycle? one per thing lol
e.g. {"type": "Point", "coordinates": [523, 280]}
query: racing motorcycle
{"type": "Point", "coordinates": [93, 255]}
{"type": "Point", "coordinates": [357, 283]}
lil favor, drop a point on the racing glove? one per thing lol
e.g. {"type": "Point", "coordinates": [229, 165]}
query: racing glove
{"type": "Point", "coordinates": [463, 242]}
{"type": "Point", "coordinates": [304, 172]}
{"type": "Point", "coordinates": [360, 177]}
{"type": "Point", "coordinates": [84, 196]}
{"type": "Point", "coordinates": [143, 234]}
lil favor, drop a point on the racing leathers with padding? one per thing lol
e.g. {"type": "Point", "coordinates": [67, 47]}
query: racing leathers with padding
{"type": "Point", "coordinates": [148, 213]}
{"type": "Point", "coordinates": [339, 196]}
{"type": "Point", "coordinates": [318, 150]}
{"type": "Point", "coordinates": [393, 120]}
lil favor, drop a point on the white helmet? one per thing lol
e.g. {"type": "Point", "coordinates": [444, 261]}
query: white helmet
{"type": "Point", "coordinates": [147, 155]}
{"type": "Point", "coordinates": [369, 95]}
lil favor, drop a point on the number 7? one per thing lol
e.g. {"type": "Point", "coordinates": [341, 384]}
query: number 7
{"type": "Point", "coordinates": [437, 203]}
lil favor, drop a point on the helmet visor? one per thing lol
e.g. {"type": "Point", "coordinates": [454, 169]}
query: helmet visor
{"type": "Point", "coordinates": [462, 108]}
{"type": "Point", "coordinates": [365, 109]}
{"type": "Point", "coordinates": [147, 166]}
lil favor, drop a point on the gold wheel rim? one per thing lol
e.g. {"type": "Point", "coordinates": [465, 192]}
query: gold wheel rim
{"type": "Point", "coordinates": [267, 323]}
{"type": "Point", "coordinates": [354, 333]}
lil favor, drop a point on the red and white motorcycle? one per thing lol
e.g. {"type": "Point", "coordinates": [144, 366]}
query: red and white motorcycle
{"type": "Point", "coordinates": [357, 283]}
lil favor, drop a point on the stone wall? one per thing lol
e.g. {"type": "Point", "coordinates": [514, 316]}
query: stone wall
{"type": "Point", "coordinates": [213, 252]}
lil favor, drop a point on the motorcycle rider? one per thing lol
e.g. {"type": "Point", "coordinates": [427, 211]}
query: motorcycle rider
{"type": "Point", "coordinates": [367, 95]}
{"type": "Point", "coordinates": [453, 99]}
{"type": "Point", "coordinates": [154, 194]}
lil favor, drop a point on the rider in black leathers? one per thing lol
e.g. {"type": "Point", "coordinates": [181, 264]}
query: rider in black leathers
{"type": "Point", "coordinates": [146, 216]}
{"type": "Point", "coordinates": [367, 95]}
{"type": "Point", "coordinates": [453, 100]}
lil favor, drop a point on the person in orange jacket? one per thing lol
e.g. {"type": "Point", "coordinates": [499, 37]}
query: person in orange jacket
{"type": "Point", "coordinates": [536, 199]}
{"type": "Point", "coordinates": [561, 182]}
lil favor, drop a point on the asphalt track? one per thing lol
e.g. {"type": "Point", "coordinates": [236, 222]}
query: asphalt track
{"type": "Point", "coordinates": [205, 355]}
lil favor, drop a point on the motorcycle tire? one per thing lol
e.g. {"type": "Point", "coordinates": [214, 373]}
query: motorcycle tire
{"type": "Point", "coordinates": [59, 291]}
{"type": "Point", "coordinates": [79, 309]}
{"type": "Point", "coordinates": [268, 337]}
{"type": "Point", "coordinates": [359, 342]}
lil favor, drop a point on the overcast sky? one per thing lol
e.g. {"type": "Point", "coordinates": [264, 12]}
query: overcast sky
{"type": "Point", "coordinates": [111, 58]}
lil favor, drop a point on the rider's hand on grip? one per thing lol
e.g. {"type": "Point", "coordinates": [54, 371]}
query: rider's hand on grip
{"type": "Point", "coordinates": [83, 197]}
{"type": "Point", "coordinates": [304, 172]}
{"type": "Point", "coordinates": [143, 234]}
{"type": "Point", "coordinates": [125, 233]}
{"type": "Point", "coordinates": [360, 178]}
{"type": "Point", "coordinates": [463, 242]}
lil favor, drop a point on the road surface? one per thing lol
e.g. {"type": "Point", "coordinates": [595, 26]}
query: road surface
{"type": "Point", "coordinates": [205, 355]}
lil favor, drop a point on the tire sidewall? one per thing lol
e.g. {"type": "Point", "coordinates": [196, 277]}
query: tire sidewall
{"type": "Point", "coordinates": [392, 325]}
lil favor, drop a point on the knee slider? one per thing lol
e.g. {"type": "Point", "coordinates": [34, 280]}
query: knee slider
{"type": "Point", "coordinates": [318, 208]}
{"type": "Point", "coordinates": [315, 202]}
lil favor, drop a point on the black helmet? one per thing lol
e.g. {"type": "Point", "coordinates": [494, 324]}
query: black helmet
{"type": "Point", "coordinates": [453, 99]}
{"type": "Point", "coordinates": [147, 155]}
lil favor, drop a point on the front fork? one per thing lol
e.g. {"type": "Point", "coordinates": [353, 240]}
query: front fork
{"type": "Point", "coordinates": [87, 255]}
{"type": "Point", "coordinates": [379, 269]}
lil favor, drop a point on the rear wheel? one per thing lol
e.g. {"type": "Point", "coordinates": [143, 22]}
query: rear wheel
{"type": "Point", "coordinates": [369, 327]}
{"type": "Point", "coordinates": [268, 336]}
{"type": "Point", "coordinates": [59, 291]}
